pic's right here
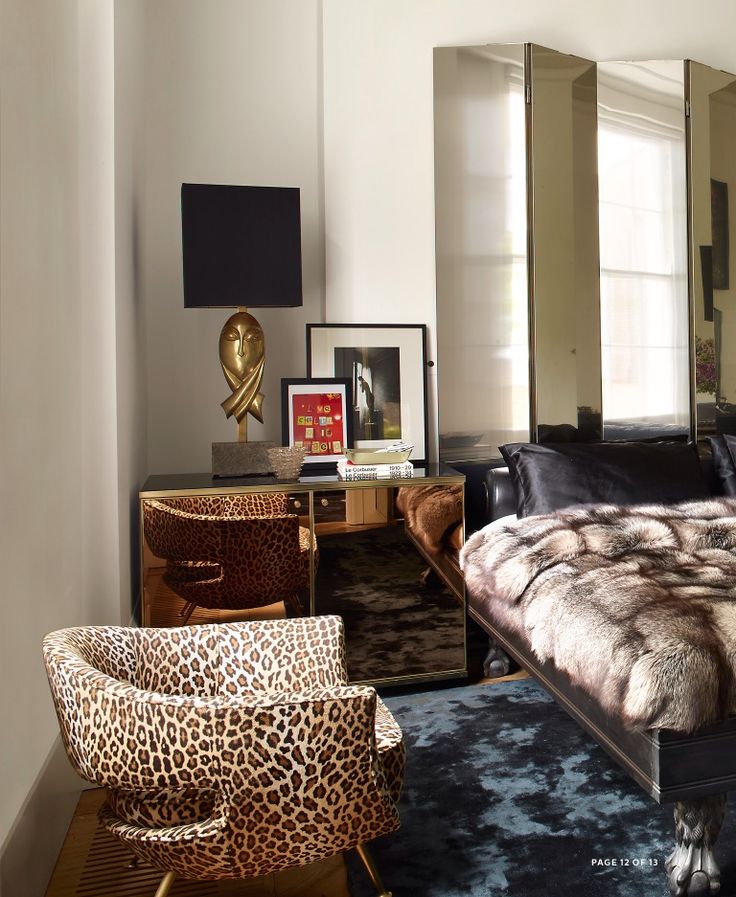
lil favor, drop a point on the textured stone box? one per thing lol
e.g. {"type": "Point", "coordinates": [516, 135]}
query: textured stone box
{"type": "Point", "coordinates": [239, 459]}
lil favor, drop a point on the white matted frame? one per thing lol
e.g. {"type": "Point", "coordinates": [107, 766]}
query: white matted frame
{"type": "Point", "coordinates": [390, 401]}
{"type": "Point", "coordinates": [315, 413]}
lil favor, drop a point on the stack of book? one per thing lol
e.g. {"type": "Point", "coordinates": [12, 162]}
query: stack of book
{"type": "Point", "coordinates": [346, 470]}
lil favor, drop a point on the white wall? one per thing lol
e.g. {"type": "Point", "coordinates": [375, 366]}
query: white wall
{"type": "Point", "coordinates": [232, 97]}
{"type": "Point", "coordinates": [58, 429]}
{"type": "Point", "coordinates": [129, 308]}
{"type": "Point", "coordinates": [378, 141]}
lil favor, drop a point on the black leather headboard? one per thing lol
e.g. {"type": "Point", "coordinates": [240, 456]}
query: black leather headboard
{"type": "Point", "coordinates": [500, 494]}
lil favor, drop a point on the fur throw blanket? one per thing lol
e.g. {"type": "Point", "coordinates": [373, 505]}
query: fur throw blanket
{"type": "Point", "coordinates": [636, 604]}
{"type": "Point", "coordinates": [430, 512]}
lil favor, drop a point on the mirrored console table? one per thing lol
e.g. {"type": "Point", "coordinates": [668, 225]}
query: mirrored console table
{"type": "Point", "coordinates": [382, 555]}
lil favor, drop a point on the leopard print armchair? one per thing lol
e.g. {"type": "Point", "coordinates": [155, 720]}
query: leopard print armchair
{"type": "Point", "coordinates": [230, 552]}
{"type": "Point", "coordinates": [228, 750]}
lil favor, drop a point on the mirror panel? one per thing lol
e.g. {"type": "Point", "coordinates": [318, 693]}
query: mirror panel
{"type": "Point", "coordinates": [393, 580]}
{"type": "Point", "coordinates": [566, 324]}
{"type": "Point", "coordinates": [712, 97]}
{"type": "Point", "coordinates": [643, 245]}
{"type": "Point", "coordinates": [481, 249]}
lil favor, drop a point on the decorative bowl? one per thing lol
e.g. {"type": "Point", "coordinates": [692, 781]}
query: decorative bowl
{"type": "Point", "coordinates": [375, 456]}
{"type": "Point", "coordinates": [286, 461]}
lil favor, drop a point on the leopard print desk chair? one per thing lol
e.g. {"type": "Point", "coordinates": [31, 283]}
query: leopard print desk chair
{"type": "Point", "coordinates": [229, 552]}
{"type": "Point", "coordinates": [228, 750]}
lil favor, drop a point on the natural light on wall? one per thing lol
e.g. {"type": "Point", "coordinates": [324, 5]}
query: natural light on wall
{"type": "Point", "coordinates": [516, 223]}
{"type": "Point", "coordinates": [480, 202]}
{"type": "Point", "coordinates": [644, 307]}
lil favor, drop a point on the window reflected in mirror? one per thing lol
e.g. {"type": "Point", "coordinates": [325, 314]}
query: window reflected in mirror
{"type": "Point", "coordinates": [481, 249]}
{"type": "Point", "coordinates": [643, 245]}
{"type": "Point", "coordinates": [566, 392]}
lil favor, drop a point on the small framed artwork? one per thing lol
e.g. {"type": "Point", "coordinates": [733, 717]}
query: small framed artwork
{"type": "Point", "coordinates": [316, 413]}
{"type": "Point", "coordinates": [386, 367]}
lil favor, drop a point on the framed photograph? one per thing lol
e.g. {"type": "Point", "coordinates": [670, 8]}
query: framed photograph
{"type": "Point", "coordinates": [316, 413]}
{"type": "Point", "coordinates": [386, 366]}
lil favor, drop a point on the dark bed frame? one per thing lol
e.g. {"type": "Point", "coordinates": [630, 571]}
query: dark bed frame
{"type": "Point", "coordinates": [692, 771]}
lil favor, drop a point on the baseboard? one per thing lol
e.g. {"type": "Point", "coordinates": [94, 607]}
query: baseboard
{"type": "Point", "coordinates": [30, 850]}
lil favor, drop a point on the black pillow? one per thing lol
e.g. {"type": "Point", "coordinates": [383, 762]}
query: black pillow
{"type": "Point", "coordinates": [724, 452]}
{"type": "Point", "coordinates": [550, 477]}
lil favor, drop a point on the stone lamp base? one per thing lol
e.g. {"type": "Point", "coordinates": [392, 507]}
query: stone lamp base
{"type": "Point", "coordinates": [241, 459]}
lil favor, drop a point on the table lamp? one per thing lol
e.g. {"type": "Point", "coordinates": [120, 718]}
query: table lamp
{"type": "Point", "coordinates": [241, 248]}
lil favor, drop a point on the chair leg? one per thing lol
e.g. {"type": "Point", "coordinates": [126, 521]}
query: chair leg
{"type": "Point", "coordinates": [188, 611]}
{"type": "Point", "coordinates": [166, 882]}
{"type": "Point", "coordinates": [293, 602]}
{"type": "Point", "coordinates": [372, 870]}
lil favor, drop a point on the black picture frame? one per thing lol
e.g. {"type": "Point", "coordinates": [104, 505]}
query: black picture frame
{"type": "Point", "coordinates": [706, 272]}
{"type": "Point", "coordinates": [719, 225]}
{"type": "Point", "coordinates": [396, 355]}
{"type": "Point", "coordinates": [293, 431]}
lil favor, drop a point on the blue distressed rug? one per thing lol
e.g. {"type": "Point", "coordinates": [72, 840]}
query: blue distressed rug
{"type": "Point", "coordinates": [505, 795]}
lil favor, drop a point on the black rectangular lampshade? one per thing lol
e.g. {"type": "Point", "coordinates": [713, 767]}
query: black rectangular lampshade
{"type": "Point", "coordinates": [241, 246]}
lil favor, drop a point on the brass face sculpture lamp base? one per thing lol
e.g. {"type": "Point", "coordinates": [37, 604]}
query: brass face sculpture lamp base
{"type": "Point", "coordinates": [242, 357]}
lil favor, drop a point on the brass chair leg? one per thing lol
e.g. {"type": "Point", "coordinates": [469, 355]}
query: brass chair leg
{"type": "Point", "coordinates": [372, 870]}
{"type": "Point", "coordinates": [166, 882]}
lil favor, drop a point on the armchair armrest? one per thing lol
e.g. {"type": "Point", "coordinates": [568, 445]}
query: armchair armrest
{"type": "Point", "coordinates": [201, 830]}
{"type": "Point", "coordinates": [324, 742]}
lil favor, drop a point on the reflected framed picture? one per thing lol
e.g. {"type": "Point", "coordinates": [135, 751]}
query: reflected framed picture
{"type": "Point", "coordinates": [316, 414]}
{"type": "Point", "coordinates": [386, 367]}
{"type": "Point", "coordinates": [719, 225]}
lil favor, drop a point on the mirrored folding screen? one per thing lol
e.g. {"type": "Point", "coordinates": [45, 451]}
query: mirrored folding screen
{"type": "Point", "coordinates": [563, 221]}
{"type": "Point", "coordinates": [481, 248]}
{"type": "Point", "coordinates": [517, 247]}
{"type": "Point", "coordinates": [585, 283]}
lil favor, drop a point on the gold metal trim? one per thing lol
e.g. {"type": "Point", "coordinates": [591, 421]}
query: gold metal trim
{"type": "Point", "coordinates": [312, 564]}
{"type": "Point", "coordinates": [690, 252]}
{"type": "Point", "coordinates": [413, 678]}
{"type": "Point", "coordinates": [530, 266]}
{"type": "Point", "coordinates": [321, 486]}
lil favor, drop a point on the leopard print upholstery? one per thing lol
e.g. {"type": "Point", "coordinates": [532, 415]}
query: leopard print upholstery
{"type": "Point", "coordinates": [227, 750]}
{"type": "Point", "coordinates": [221, 559]}
{"type": "Point", "coordinates": [250, 504]}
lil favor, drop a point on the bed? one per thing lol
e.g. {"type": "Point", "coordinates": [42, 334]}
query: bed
{"type": "Point", "coordinates": [687, 759]}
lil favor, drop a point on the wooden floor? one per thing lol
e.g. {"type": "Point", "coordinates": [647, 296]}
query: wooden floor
{"type": "Point", "coordinates": [512, 677]}
{"type": "Point", "coordinates": [94, 864]}
{"type": "Point", "coordinates": [166, 606]}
